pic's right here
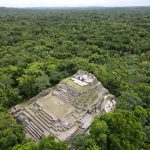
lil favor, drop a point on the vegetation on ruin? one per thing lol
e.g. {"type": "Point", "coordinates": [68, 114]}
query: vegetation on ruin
{"type": "Point", "coordinates": [39, 48]}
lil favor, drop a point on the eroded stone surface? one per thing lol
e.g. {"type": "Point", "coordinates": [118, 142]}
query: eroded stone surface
{"type": "Point", "coordinates": [66, 109]}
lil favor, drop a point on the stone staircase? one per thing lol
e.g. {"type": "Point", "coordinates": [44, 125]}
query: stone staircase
{"type": "Point", "coordinates": [34, 126]}
{"type": "Point", "coordinates": [70, 95]}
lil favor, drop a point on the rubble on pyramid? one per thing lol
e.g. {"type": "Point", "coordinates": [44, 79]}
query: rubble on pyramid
{"type": "Point", "coordinates": [66, 109]}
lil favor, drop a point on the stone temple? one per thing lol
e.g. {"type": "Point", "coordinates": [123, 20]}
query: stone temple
{"type": "Point", "coordinates": [66, 109]}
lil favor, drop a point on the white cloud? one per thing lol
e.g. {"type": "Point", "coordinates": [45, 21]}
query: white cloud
{"type": "Point", "coordinates": [56, 3]}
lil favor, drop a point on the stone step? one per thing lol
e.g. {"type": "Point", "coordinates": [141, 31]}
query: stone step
{"type": "Point", "coordinates": [80, 131]}
{"type": "Point", "coordinates": [43, 120]}
{"type": "Point", "coordinates": [38, 135]}
{"type": "Point", "coordinates": [35, 120]}
{"type": "Point", "coordinates": [40, 115]}
{"type": "Point", "coordinates": [37, 128]}
{"type": "Point", "coordinates": [46, 115]}
{"type": "Point", "coordinates": [29, 131]}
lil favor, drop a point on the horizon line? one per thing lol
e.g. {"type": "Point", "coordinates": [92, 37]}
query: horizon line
{"type": "Point", "coordinates": [76, 6]}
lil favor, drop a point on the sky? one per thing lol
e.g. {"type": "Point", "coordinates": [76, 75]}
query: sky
{"type": "Point", "coordinates": [72, 3]}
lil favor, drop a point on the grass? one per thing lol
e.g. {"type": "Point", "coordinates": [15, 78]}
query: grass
{"type": "Point", "coordinates": [54, 106]}
{"type": "Point", "coordinates": [86, 101]}
{"type": "Point", "coordinates": [73, 84]}
{"type": "Point", "coordinates": [70, 82]}
{"type": "Point", "coordinates": [24, 103]}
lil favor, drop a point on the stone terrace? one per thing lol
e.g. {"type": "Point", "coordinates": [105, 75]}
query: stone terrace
{"type": "Point", "coordinates": [65, 110]}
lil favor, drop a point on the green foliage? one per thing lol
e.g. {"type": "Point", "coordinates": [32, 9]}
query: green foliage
{"type": "Point", "coordinates": [141, 114]}
{"type": "Point", "coordinates": [50, 144]}
{"type": "Point", "coordinates": [120, 130]}
{"type": "Point", "coordinates": [26, 146]}
{"type": "Point", "coordinates": [84, 142]}
{"type": "Point", "coordinates": [37, 54]}
{"type": "Point", "coordinates": [40, 48]}
{"type": "Point", "coordinates": [26, 85]}
{"type": "Point", "coordinates": [10, 132]}
{"type": "Point", "coordinates": [9, 97]}
{"type": "Point", "coordinates": [46, 143]}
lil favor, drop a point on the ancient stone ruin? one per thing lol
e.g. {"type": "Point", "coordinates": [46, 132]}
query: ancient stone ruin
{"type": "Point", "coordinates": [66, 109]}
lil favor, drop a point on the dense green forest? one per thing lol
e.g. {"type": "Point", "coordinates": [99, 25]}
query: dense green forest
{"type": "Point", "coordinates": [38, 48]}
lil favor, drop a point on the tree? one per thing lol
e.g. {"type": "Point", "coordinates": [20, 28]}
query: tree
{"type": "Point", "coordinates": [41, 83]}
{"type": "Point", "coordinates": [50, 144]}
{"type": "Point", "coordinates": [120, 130]}
{"type": "Point", "coordinates": [84, 142]}
{"type": "Point", "coordinates": [26, 86]}
{"type": "Point", "coordinates": [141, 114]}
{"type": "Point", "coordinates": [114, 45]}
{"type": "Point", "coordinates": [99, 132]}
{"type": "Point", "coordinates": [26, 146]}
{"type": "Point", "coordinates": [129, 100]}
{"type": "Point", "coordinates": [9, 97]}
{"type": "Point", "coordinates": [10, 133]}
